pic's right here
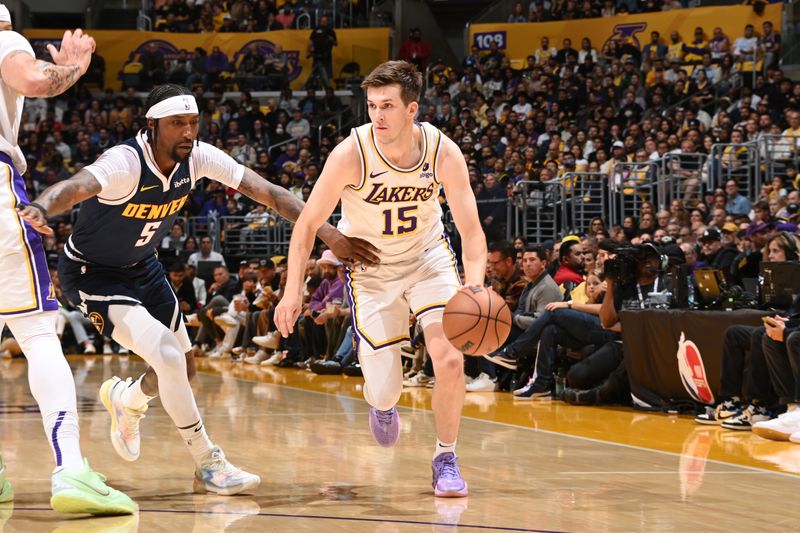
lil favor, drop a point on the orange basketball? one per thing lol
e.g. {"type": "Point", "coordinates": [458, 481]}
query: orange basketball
{"type": "Point", "coordinates": [476, 321]}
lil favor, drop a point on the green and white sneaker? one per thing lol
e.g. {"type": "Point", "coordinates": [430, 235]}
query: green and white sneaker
{"type": "Point", "coordinates": [6, 492]}
{"type": "Point", "coordinates": [82, 490]}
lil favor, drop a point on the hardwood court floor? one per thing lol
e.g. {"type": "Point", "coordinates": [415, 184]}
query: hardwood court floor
{"type": "Point", "coordinates": [540, 466]}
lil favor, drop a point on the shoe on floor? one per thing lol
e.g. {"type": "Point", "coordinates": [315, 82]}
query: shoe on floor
{"type": "Point", "coordinates": [125, 436]}
{"type": "Point", "coordinates": [385, 426]}
{"type": "Point", "coordinates": [722, 412]}
{"type": "Point", "coordinates": [420, 379]}
{"type": "Point", "coordinates": [524, 388]}
{"type": "Point", "coordinates": [274, 359]}
{"type": "Point", "coordinates": [83, 491]}
{"type": "Point", "coordinates": [326, 368]}
{"type": "Point", "coordinates": [780, 428]}
{"type": "Point", "coordinates": [256, 358]}
{"type": "Point", "coordinates": [744, 421]}
{"type": "Point", "coordinates": [582, 397]}
{"type": "Point", "coordinates": [483, 383]}
{"type": "Point", "coordinates": [215, 474]}
{"type": "Point", "coordinates": [535, 391]}
{"type": "Point", "coordinates": [447, 480]}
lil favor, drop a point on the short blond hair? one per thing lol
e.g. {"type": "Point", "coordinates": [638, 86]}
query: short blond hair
{"type": "Point", "coordinates": [400, 73]}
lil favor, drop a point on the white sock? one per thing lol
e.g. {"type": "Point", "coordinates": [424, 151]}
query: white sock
{"type": "Point", "coordinates": [133, 396]}
{"type": "Point", "coordinates": [63, 435]}
{"type": "Point", "coordinates": [441, 448]}
{"type": "Point", "coordinates": [197, 440]}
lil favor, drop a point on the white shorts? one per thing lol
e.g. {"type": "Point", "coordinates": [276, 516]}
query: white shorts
{"type": "Point", "coordinates": [23, 263]}
{"type": "Point", "coordinates": [382, 295]}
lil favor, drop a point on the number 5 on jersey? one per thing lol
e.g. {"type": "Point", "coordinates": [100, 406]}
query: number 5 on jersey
{"type": "Point", "coordinates": [406, 221]}
{"type": "Point", "coordinates": [148, 232]}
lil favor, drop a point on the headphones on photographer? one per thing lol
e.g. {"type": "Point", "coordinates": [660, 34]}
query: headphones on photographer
{"type": "Point", "coordinates": [663, 259]}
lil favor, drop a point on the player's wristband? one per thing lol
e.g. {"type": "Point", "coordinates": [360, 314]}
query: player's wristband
{"type": "Point", "coordinates": [40, 208]}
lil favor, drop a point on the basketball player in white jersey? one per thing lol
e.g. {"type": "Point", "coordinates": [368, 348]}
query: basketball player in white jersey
{"type": "Point", "coordinates": [387, 175]}
{"type": "Point", "coordinates": [28, 304]}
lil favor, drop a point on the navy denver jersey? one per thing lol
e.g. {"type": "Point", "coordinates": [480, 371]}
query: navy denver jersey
{"type": "Point", "coordinates": [137, 206]}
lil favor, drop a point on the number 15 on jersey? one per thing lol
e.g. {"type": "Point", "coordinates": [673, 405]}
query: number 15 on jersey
{"type": "Point", "coordinates": [399, 221]}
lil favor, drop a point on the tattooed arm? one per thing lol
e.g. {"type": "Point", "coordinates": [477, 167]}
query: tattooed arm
{"type": "Point", "coordinates": [60, 197]}
{"type": "Point", "coordinates": [36, 78]}
{"type": "Point", "coordinates": [289, 207]}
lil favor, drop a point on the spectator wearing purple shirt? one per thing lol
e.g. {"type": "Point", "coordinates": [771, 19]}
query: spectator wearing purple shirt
{"type": "Point", "coordinates": [330, 291]}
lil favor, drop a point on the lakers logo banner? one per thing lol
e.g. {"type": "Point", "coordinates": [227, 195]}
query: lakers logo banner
{"type": "Point", "coordinates": [366, 46]}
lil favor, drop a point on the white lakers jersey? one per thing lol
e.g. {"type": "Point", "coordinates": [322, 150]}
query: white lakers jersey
{"type": "Point", "coordinates": [393, 208]}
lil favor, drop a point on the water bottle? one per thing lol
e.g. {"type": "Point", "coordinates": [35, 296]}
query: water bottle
{"type": "Point", "coordinates": [561, 383]}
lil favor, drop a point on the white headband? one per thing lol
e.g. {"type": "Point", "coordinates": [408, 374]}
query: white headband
{"type": "Point", "coordinates": [183, 104]}
{"type": "Point", "coordinates": [5, 16]}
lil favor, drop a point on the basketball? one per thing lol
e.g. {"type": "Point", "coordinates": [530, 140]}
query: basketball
{"type": "Point", "coordinates": [476, 321]}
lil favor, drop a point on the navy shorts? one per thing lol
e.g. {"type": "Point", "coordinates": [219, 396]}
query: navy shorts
{"type": "Point", "coordinates": [93, 288]}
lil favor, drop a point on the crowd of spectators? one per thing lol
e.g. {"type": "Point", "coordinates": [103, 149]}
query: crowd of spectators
{"type": "Point", "coordinates": [563, 111]}
{"type": "Point", "coordinates": [547, 11]}
{"type": "Point", "coordinates": [228, 16]}
{"type": "Point", "coordinates": [259, 67]}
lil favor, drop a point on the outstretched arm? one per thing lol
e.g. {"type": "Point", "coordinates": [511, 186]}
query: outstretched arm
{"type": "Point", "coordinates": [58, 198]}
{"type": "Point", "coordinates": [36, 78]}
{"type": "Point", "coordinates": [290, 207]}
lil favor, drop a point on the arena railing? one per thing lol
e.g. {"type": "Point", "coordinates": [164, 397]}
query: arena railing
{"type": "Point", "coordinates": [777, 152]}
{"type": "Point", "coordinates": [631, 184]}
{"type": "Point", "coordinates": [738, 162]}
{"type": "Point", "coordinates": [586, 196]}
{"type": "Point", "coordinates": [681, 178]}
{"type": "Point", "coordinates": [256, 236]}
{"type": "Point", "coordinates": [539, 211]}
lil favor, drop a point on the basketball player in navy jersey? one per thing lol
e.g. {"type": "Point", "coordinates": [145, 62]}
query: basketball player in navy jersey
{"type": "Point", "coordinates": [28, 305]}
{"type": "Point", "coordinates": [388, 174]}
{"type": "Point", "coordinates": [131, 195]}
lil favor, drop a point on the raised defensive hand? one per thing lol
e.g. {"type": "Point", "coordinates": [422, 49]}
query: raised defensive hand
{"type": "Point", "coordinates": [76, 49]}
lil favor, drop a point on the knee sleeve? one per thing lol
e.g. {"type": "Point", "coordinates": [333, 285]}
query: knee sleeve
{"type": "Point", "coordinates": [383, 375]}
{"type": "Point", "coordinates": [137, 330]}
{"type": "Point", "coordinates": [140, 332]}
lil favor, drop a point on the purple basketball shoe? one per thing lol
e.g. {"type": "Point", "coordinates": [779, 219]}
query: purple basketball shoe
{"type": "Point", "coordinates": [447, 480]}
{"type": "Point", "coordinates": [385, 426]}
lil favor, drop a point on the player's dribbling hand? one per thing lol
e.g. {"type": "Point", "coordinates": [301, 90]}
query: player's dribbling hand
{"type": "Point", "coordinates": [34, 216]}
{"type": "Point", "coordinates": [352, 250]}
{"type": "Point", "coordinates": [286, 314]}
{"type": "Point", "coordinates": [76, 49]}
